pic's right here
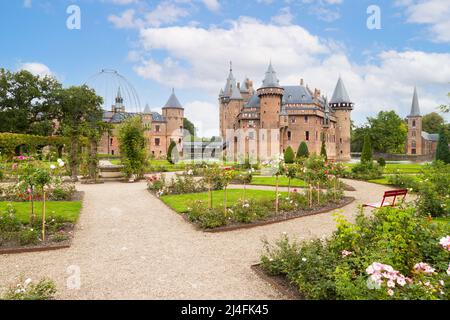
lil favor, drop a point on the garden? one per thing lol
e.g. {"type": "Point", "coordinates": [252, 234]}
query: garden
{"type": "Point", "coordinates": [202, 193]}
{"type": "Point", "coordinates": [38, 208]}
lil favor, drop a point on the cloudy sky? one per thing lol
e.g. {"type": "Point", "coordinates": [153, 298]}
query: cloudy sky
{"type": "Point", "coordinates": [187, 45]}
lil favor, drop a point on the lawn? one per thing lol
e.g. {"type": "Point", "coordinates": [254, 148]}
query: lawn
{"type": "Point", "coordinates": [401, 167]}
{"type": "Point", "coordinates": [271, 181]}
{"type": "Point", "coordinates": [180, 203]}
{"type": "Point", "coordinates": [68, 210]}
{"type": "Point", "coordinates": [443, 220]}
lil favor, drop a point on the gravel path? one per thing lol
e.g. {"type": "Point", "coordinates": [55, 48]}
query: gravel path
{"type": "Point", "coordinates": [129, 245]}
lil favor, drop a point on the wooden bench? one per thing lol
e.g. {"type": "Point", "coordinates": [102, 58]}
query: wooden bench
{"type": "Point", "coordinates": [388, 194]}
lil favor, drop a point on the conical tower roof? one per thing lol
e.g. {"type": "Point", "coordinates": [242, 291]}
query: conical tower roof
{"type": "Point", "coordinates": [147, 109]}
{"type": "Point", "coordinates": [340, 94]}
{"type": "Point", "coordinates": [415, 110]}
{"type": "Point", "coordinates": [231, 81]}
{"type": "Point", "coordinates": [235, 92]}
{"type": "Point", "coordinates": [173, 101]}
{"type": "Point", "coordinates": [271, 79]}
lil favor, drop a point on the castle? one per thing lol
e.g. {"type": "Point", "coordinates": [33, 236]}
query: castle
{"type": "Point", "coordinates": [419, 142]}
{"type": "Point", "coordinates": [262, 123]}
{"type": "Point", "coordinates": [162, 128]}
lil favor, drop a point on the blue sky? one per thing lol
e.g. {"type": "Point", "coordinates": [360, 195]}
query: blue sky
{"type": "Point", "coordinates": [187, 44]}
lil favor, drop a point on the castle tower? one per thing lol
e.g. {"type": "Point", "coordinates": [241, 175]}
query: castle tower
{"type": "Point", "coordinates": [342, 107]}
{"type": "Point", "coordinates": [231, 103]}
{"type": "Point", "coordinates": [270, 94]}
{"type": "Point", "coordinates": [173, 112]}
{"type": "Point", "coordinates": [118, 106]}
{"type": "Point", "coordinates": [414, 144]}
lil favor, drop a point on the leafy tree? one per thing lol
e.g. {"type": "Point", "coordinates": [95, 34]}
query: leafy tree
{"type": "Point", "coordinates": [323, 150]}
{"type": "Point", "coordinates": [172, 153]}
{"type": "Point", "coordinates": [302, 151]}
{"type": "Point", "coordinates": [77, 105]}
{"type": "Point", "coordinates": [357, 137]}
{"type": "Point", "coordinates": [388, 132]}
{"type": "Point", "coordinates": [432, 122]}
{"type": "Point", "coordinates": [27, 102]}
{"type": "Point", "coordinates": [189, 126]}
{"type": "Point", "coordinates": [132, 144]}
{"type": "Point", "coordinates": [366, 155]}
{"type": "Point", "coordinates": [289, 155]}
{"type": "Point", "coordinates": [442, 151]}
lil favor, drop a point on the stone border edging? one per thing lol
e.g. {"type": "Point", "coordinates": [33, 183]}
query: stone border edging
{"type": "Point", "coordinates": [347, 201]}
{"type": "Point", "coordinates": [18, 250]}
{"type": "Point", "coordinates": [280, 283]}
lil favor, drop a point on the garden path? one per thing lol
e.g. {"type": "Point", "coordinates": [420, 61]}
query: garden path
{"type": "Point", "coordinates": [129, 245]}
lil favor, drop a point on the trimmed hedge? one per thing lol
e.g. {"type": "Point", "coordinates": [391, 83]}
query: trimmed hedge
{"type": "Point", "coordinates": [10, 141]}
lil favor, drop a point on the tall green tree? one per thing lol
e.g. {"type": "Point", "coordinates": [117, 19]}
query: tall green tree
{"type": "Point", "coordinates": [323, 150]}
{"type": "Point", "coordinates": [27, 102]}
{"type": "Point", "coordinates": [357, 137]}
{"type": "Point", "coordinates": [189, 126]}
{"type": "Point", "coordinates": [442, 151]}
{"type": "Point", "coordinates": [77, 105]}
{"type": "Point", "coordinates": [132, 144]}
{"type": "Point", "coordinates": [388, 132]}
{"type": "Point", "coordinates": [302, 151]}
{"type": "Point", "coordinates": [289, 155]}
{"type": "Point", "coordinates": [172, 153]}
{"type": "Point", "coordinates": [432, 122]}
{"type": "Point", "coordinates": [366, 154]}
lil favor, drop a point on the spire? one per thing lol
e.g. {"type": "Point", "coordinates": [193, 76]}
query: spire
{"type": "Point", "coordinates": [173, 101]}
{"type": "Point", "coordinates": [415, 110]}
{"type": "Point", "coordinates": [271, 79]}
{"type": "Point", "coordinates": [231, 81]}
{"type": "Point", "coordinates": [235, 92]}
{"type": "Point", "coordinates": [119, 98]}
{"type": "Point", "coordinates": [340, 94]}
{"type": "Point", "coordinates": [147, 109]}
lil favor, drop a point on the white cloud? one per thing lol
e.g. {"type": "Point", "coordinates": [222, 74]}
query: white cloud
{"type": "Point", "coordinates": [197, 58]}
{"type": "Point", "coordinates": [212, 5]}
{"type": "Point", "coordinates": [284, 17]}
{"type": "Point", "coordinates": [434, 13]}
{"type": "Point", "coordinates": [204, 115]}
{"type": "Point", "coordinates": [36, 68]}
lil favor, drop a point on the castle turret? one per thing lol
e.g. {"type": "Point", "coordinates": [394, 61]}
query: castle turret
{"type": "Point", "coordinates": [270, 94]}
{"type": "Point", "coordinates": [173, 112]}
{"type": "Point", "coordinates": [342, 107]}
{"type": "Point", "coordinates": [118, 106]}
{"type": "Point", "coordinates": [414, 127]}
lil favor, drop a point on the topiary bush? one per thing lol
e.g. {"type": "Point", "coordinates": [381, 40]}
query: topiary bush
{"type": "Point", "coordinates": [302, 151]}
{"type": "Point", "coordinates": [289, 155]}
{"type": "Point", "coordinates": [366, 171]}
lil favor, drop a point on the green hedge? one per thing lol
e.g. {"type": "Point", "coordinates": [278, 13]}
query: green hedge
{"type": "Point", "coordinates": [10, 141]}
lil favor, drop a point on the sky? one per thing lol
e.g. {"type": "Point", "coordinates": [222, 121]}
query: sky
{"type": "Point", "coordinates": [187, 45]}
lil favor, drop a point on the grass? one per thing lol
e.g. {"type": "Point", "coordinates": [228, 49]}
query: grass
{"type": "Point", "coordinates": [393, 167]}
{"type": "Point", "coordinates": [68, 210]}
{"type": "Point", "coordinates": [443, 220]}
{"type": "Point", "coordinates": [283, 182]}
{"type": "Point", "coordinates": [180, 203]}
{"type": "Point", "coordinates": [383, 181]}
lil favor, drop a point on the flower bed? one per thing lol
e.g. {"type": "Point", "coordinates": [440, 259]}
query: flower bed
{"type": "Point", "coordinates": [395, 254]}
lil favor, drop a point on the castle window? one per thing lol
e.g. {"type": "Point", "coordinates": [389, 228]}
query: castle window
{"type": "Point", "coordinates": [157, 141]}
{"type": "Point", "coordinates": [293, 119]}
{"type": "Point", "coordinates": [111, 141]}
{"type": "Point", "coordinates": [414, 123]}
{"type": "Point", "coordinates": [413, 133]}
{"type": "Point", "coordinates": [317, 135]}
{"type": "Point", "coordinates": [289, 135]}
{"type": "Point", "coordinates": [179, 141]}
{"type": "Point", "coordinates": [251, 135]}
{"type": "Point", "coordinates": [306, 119]}
{"type": "Point", "coordinates": [157, 128]}
{"type": "Point", "coordinates": [340, 140]}
{"type": "Point", "coordinates": [307, 135]}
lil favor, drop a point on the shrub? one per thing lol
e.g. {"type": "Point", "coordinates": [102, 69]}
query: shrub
{"type": "Point", "coordinates": [8, 220]}
{"type": "Point", "coordinates": [29, 236]}
{"type": "Point", "coordinates": [323, 150]}
{"type": "Point", "coordinates": [442, 150]}
{"type": "Point", "coordinates": [404, 181]}
{"type": "Point", "coordinates": [132, 146]}
{"type": "Point", "coordinates": [45, 289]}
{"type": "Point", "coordinates": [206, 217]}
{"type": "Point", "coordinates": [381, 162]}
{"type": "Point", "coordinates": [289, 155]}
{"type": "Point", "coordinates": [366, 154]}
{"type": "Point", "coordinates": [172, 153]}
{"type": "Point", "coordinates": [366, 171]}
{"type": "Point", "coordinates": [394, 254]}
{"type": "Point", "coordinates": [302, 151]}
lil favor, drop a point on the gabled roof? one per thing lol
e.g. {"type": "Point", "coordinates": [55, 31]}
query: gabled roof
{"type": "Point", "coordinates": [173, 102]}
{"type": "Point", "coordinates": [415, 110]}
{"type": "Point", "coordinates": [340, 93]}
{"type": "Point", "coordinates": [430, 136]}
{"type": "Point", "coordinates": [254, 102]}
{"type": "Point", "coordinates": [271, 79]}
{"type": "Point", "coordinates": [296, 94]}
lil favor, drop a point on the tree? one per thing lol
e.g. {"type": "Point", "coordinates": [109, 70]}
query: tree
{"type": "Point", "coordinates": [445, 108]}
{"type": "Point", "coordinates": [388, 132]}
{"type": "Point", "coordinates": [132, 145]}
{"type": "Point", "coordinates": [303, 151]}
{"type": "Point", "coordinates": [432, 122]}
{"type": "Point", "coordinates": [93, 130]}
{"type": "Point", "coordinates": [323, 150]}
{"type": "Point", "coordinates": [289, 155]}
{"type": "Point", "coordinates": [442, 151]}
{"type": "Point", "coordinates": [172, 153]}
{"type": "Point", "coordinates": [189, 126]}
{"type": "Point", "coordinates": [27, 102]}
{"type": "Point", "coordinates": [366, 155]}
{"type": "Point", "coordinates": [357, 137]}
{"type": "Point", "coordinates": [76, 106]}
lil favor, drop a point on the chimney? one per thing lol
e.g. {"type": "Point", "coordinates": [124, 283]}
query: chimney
{"type": "Point", "coordinates": [301, 82]}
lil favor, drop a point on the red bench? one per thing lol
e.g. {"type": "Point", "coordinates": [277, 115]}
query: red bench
{"type": "Point", "coordinates": [388, 194]}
